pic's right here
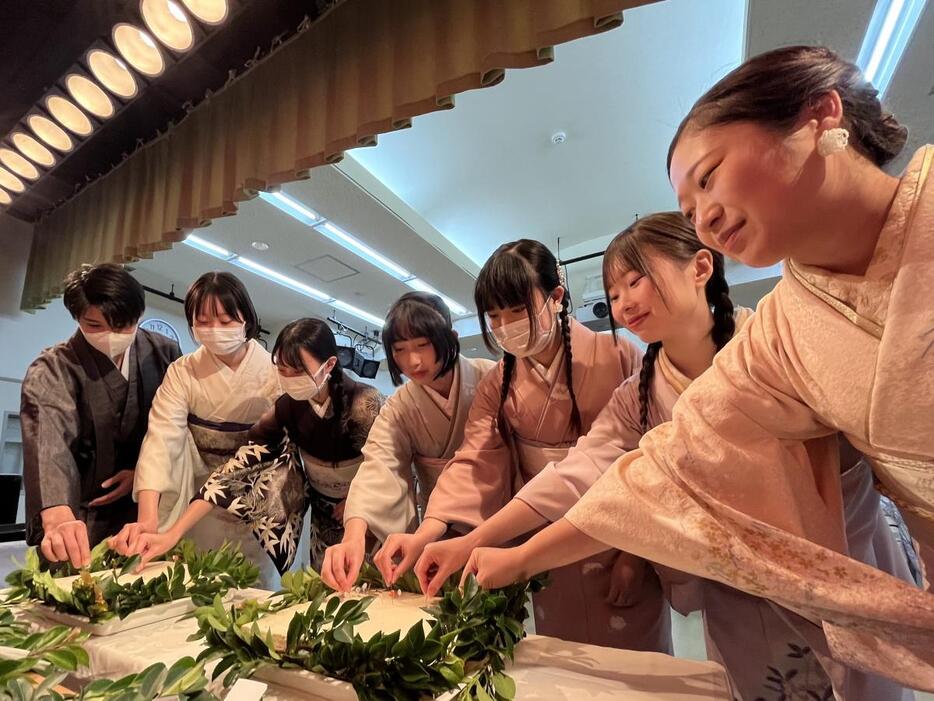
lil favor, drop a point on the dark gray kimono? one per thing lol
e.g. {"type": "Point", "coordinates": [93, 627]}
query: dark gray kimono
{"type": "Point", "coordinates": [82, 423]}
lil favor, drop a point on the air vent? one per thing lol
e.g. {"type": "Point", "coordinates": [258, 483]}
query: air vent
{"type": "Point", "coordinates": [327, 268]}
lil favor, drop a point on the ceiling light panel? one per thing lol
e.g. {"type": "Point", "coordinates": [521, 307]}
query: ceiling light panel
{"type": "Point", "coordinates": [208, 11]}
{"type": "Point", "coordinates": [19, 165]}
{"type": "Point", "coordinates": [32, 149]}
{"type": "Point", "coordinates": [68, 115]}
{"type": "Point", "coordinates": [50, 132]}
{"type": "Point", "coordinates": [167, 21]}
{"type": "Point", "coordinates": [5, 197]}
{"type": "Point", "coordinates": [89, 95]}
{"type": "Point", "coordinates": [10, 181]}
{"type": "Point", "coordinates": [112, 73]}
{"type": "Point", "coordinates": [138, 49]}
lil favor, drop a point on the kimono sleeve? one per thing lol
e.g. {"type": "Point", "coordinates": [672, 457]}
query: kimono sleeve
{"type": "Point", "coordinates": [381, 491]}
{"type": "Point", "coordinates": [50, 426]}
{"type": "Point", "coordinates": [478, 480]}
{"type": "Point", "coordinates": [163, 463]}
{"type": "Point", "coordinates": [616, 430]}
{"type": "Point", "coordinates": [742, 487]}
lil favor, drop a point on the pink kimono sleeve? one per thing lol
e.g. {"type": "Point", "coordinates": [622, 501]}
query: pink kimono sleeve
{"type": "Point", "coordinates": [728, 491]}
{"type": "Point", "coordinates": [560, 485]}
{"type": "Point", "coordinates": [478, 480]}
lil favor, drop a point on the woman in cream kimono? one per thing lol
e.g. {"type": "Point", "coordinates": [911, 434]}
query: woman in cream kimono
{"type": "Point", "coordinates": [420, 426]}
{"type": "Point", "coordinates": [200, 417]}
{"type": "Point", "coordinates": [670, 289]}
{"type": "Point", "coordinates": [762, 164]}
{"type": "Point", "coordinates": [554, 379]}
{"type": "Point", "coordinates": [302, 454]}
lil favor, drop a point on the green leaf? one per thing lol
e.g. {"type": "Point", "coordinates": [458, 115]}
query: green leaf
{"type": "Point", "coordinates": [66, 659]}
{"type": "Point", "coordinates": [505, 686]}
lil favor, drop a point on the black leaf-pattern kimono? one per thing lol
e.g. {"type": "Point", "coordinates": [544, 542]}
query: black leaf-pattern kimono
{"type": "Point", "coordinates": [296, 460]}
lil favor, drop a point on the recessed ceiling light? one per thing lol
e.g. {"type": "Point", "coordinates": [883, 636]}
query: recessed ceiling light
{"type": "Point", "coordinates": [138, 49]}
{"type": "Point", "coordinates": [90, 95]}
{"type": "Point", "coordinates": [68, 115]}
{"type": "Point", "coordinates": [50, 132]}
{"type": "Point", "coordinates": [10, 181]}
{"type": "Point", "coordinates": [19, 165]}
{"type": "Point", "coordinates": [112, 73]}
{"type": "Point", "coordinates": [32, 149]}
{"type": "Point", "coordinates": [887, 36]}
{"type": "Point", "coordinates": [5, 197]}
{"type": "Point", "coordinates": [260, 245]}
{"type": "Point", "coordinates": [167, 21]}
{"type": "Point", "coordinates": [208, 11]}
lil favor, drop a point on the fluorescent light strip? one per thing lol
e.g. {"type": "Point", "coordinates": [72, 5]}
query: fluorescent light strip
{"type": "Point", "coordinates": [887, 36]}
{"type": "Point", "coordinates": [328, 229]}
{"type": "Point", "coordinates": [212, 249]}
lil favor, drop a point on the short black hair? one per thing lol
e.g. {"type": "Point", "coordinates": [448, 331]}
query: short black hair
{"type": "Point", "coordinates": [230, 292]}
{"type": "Point", "coordinates": [421, 315]}
{"type": "Point", "coordinates": [109, 287]}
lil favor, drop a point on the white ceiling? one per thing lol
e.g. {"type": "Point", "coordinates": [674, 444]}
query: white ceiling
{"type": "Point", "coordinates": [487, 172]}
{"type": "Point", "coordinates": [440, 197]}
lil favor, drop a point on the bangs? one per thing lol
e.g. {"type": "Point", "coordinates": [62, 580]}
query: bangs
{"type": "Point", "coordinates": [624, 255]}
{"type": "Point", "coordinates": [232, 295]}
{"type": "Point", "coordinates": [413, 320]}
{"type": "Point", "coordinates": [506, 281]}
{"type": "Point", "coordinates": [420, 315]}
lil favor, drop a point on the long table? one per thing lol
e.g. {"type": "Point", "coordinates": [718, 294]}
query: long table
{"type": "Point", "coordinates": [544, 669]}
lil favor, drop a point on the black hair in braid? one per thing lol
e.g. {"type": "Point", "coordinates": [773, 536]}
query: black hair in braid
{"type": "Point", "coordinates": [316, 337]}
{"type": "Point", "coordinates": [563, 317]}
{"type": "Point", "coordinates": [509, 279]}
{"type": "Point", "coordinates": [671, 235]}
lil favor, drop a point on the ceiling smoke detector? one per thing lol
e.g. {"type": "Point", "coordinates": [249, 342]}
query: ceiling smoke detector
{"type": "Point", "coordinates": [559, 137]}
{"type": "Point", "coordinates": [260, 245]}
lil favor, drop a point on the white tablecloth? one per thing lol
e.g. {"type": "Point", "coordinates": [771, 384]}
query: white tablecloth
{"type": "Point", "coordinates": [545, 668]}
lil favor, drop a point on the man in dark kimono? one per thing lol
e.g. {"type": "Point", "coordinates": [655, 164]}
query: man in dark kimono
{"type": "Point", "coordinates": [85, 408]}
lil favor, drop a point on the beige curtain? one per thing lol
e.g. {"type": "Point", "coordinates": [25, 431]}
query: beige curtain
{"type": "Point", "coordinates": [365, 68]}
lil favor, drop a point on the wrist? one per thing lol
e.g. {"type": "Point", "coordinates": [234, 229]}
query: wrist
{"type": "Point", "coordinates": [54, 516]}
{"type": "Point", "coordinates": [430, 530]}
{"type": "Point", "coordinates": [355, 531]}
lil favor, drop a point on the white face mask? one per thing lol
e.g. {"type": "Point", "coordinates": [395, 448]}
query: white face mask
{"type": "Point", "coordinates": [304, 387]}
{"type": "Point", "coordinates": [110, 343]}
{"type": "Point", "coordinates": [514, 337]}
{"type": "Point", "coordinates": [221, 340]}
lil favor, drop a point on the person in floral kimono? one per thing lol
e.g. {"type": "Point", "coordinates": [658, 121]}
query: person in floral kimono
{"type": "Point", "coordinates": [302, 454]}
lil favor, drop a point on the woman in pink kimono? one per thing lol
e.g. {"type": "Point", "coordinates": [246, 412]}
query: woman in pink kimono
{"type": "Point", "coordinates": [782, 160]}
{"type": "Point", "coordinates": [554, 379]}
{"type": "Point", "coordinates": [419, 426]}
{"type": "Point", "coordinates": [670, 290]}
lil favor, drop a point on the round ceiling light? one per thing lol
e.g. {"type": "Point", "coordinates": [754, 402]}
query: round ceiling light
{"type": "Point", "coordinates": [208, 11]}
{"type": "Point", "coordinates": [32, 149]}
{"type": "Point", "coordinates": [167, 21]}
{"type": "Point", "coordinates": [50, 132]}
{"type": "Point", "coordinates": [5, 197]}
{"type": "Point", "coordinates": [90, 95]}
{"type": "Point", "coordinates": [19, 165]}
{"type": "Point", "coordinates": [138, 49]}
{"type": "Point", "coordinates": [10, 181]}
{"type": "Point", "coordinates": [112, 73]}
{"type": "Point", "coordinates": [68, 115]}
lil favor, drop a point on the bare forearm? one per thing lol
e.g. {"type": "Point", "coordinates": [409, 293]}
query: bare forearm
{"type": "Point", "coordinates": [355, 530]}
{"type": "Point", "coordinates": [513, 520]}
{"type": "Point", "coordinates": [196, 511]}
{"type": "Point", "coordinates": [148, 506]}
{"type": "Point", "coordinates": [431, 529]}
{"type": "Point", "coordinates": [556, 546]}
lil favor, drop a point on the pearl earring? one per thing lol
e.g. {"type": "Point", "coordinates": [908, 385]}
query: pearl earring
{"type": "Point", "coordinates": [833, 141]}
